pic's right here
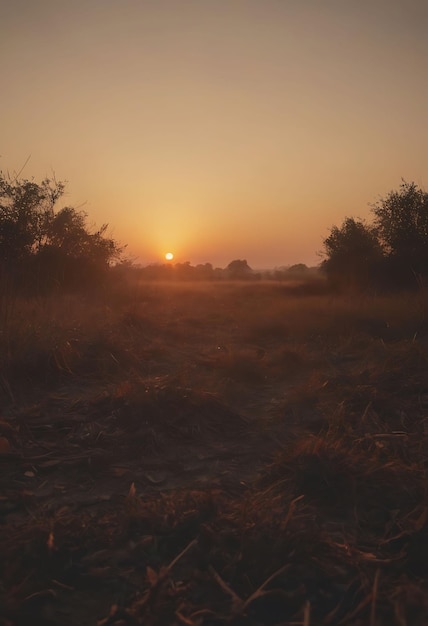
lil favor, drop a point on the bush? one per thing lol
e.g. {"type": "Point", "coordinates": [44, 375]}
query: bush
{"type": "Point", "coordinates": [353, 255]}
{"type": "Point", "coordinates": [42, 248]}
{"type": "Point", "coordinates": [390, 253]}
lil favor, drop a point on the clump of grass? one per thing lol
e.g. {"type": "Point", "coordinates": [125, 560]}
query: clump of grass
{"type": "Point", "coordinates": [159, 415]}
{"type": "Point", "coordinates": [239, 364]}
{"type": "Point", "coordinates": [340, 474]}
{"type": "Point", "coordinates": [287, 363]}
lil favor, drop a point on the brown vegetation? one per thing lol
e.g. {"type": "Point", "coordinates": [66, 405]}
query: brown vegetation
{"type": "Point", "coordinates": [211, 454]}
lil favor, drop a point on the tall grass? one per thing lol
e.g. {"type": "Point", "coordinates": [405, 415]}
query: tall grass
{"type": "Point", "coordinates": [209, 334]}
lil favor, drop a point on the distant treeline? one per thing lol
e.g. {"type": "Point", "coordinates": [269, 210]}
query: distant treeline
{"type": "Point", "coordinates": [237, 269]}
{"type": "Point", "coordinates": [43, 248]}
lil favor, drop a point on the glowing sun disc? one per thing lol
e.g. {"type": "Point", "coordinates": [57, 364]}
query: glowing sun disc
{"type": "Point", "coordinates": [169, 256]}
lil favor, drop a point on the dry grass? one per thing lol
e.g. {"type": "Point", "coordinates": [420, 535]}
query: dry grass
{"type": "Point", "coordinates": [214, 454]}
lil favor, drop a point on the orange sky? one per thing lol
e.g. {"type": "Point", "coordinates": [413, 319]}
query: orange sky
{"type": "Point", "coordinates": [217, 129]}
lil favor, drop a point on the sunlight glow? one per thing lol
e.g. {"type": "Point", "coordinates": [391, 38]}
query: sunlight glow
{"type": "Point", "coordinates": [169, 256]}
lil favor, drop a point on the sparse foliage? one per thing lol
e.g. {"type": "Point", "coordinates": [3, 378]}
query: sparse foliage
{"type": "Point", "coordinates": [401, 219]}
{"type": "Point", "coordinates": [44, 247]}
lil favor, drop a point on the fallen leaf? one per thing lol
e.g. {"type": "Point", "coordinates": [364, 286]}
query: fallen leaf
{"type": "Point", "coordinates": [5, 447]}
{"type": "Point", "coordinates": [50, 542]}
{"type": "Point", "coordinates": [152, 576]}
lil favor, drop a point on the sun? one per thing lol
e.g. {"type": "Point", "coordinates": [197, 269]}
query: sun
{"type": "Point", "coordinates": [169, 256]}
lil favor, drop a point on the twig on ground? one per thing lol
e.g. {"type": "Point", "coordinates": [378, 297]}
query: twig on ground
{"type": "Point", "coordinates": [182, 553]}
{"type": "Point", "coordinates": [259, 592]}
{"type": "Point", "coordinates": [238, 603]}
{"type": "Point", "coordinates": [374, 598]}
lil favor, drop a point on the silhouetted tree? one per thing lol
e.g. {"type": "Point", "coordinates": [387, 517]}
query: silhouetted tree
{"type": "Point", "coordinates": [239, 269]}
{"type": "Point", "coordinates": [401, 219]}
{"type": "Point", "coordinates": [204, 271]}
{"type": "Point", "coordinates": [25, 211]}
{"type": "Point", "coordinates": [184, 271]}
{"type": "Point", "coordinates": [353, 255]}
{"type": "Point", "coordinates": [41, 246]}
{"type": "Point", "coordinates": [298, 268]}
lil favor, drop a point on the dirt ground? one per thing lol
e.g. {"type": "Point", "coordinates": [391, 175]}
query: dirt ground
{"type": "Point", "coordinates": [215, 454]}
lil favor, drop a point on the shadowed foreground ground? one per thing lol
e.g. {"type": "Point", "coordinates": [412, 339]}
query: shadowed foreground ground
{"type": "Point", "coordinates": [220, 454]}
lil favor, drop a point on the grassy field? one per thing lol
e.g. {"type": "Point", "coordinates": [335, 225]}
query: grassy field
{"type": "Point", "coordinates": [223, 453]}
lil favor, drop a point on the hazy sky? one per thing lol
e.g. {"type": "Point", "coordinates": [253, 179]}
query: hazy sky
{"type": "Point", "coordinates": [217, 129]}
